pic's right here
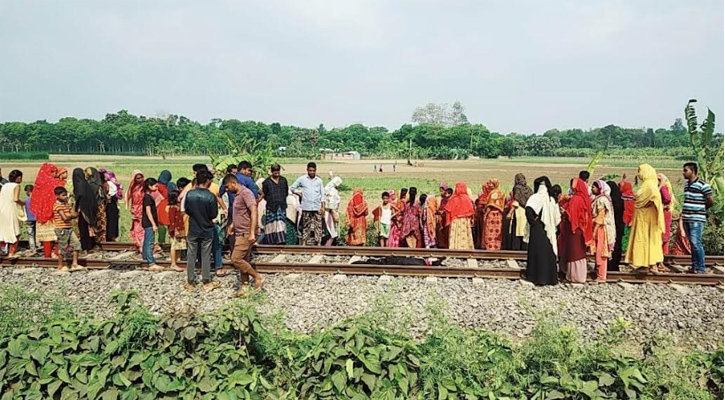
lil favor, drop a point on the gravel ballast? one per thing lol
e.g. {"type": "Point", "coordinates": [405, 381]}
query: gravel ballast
{"type": "Point", "coordinates": [693, 314]}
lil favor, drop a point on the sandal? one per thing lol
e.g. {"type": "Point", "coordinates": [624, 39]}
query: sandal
{"type": "Point", "coordinates": [189, 287]}
{"type": "Point", "coordinates": [210, 286]}
{"type": "Point", "coordinates": [239, 293]}
{"type": "Point", "coordinates": [224, 272]}
{"type": "Point", "coordinates": [258, 286]}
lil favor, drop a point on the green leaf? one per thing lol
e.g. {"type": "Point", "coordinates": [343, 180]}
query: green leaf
{"type": "Point", "coordinates": [554, 395]}
{"type": "Point", "coordinates": [370, 381]}
{"type": "Point", "coordinates": [442, 393]}
{"type": "Point", "coordinates": [189, 333]}
{"type": "Point", "coordinates": [393, 352]}
{"type": "Point", "coordinates": [403, 384]}
{"type": "Point", "coordinates": [349, 367]}
{"type": "Point", "coordinates": [207, 384]}
{"type": "Point", "coordinates": [110, 394]}
{"type": "Point", "coordinates": [63, 375]}
{"type": "Point", "coordinates": [605, 379]}
{"type": "Point", "coordinates": [414, 360]}
{"type": "Point", "coordinates": [31, 369]}
{"type": "Point", "coordinates": [338, 379]}
{"type": "Point", "coordinates": [53, 387]}
{"type": "Point", "coordinates": [40, 353]}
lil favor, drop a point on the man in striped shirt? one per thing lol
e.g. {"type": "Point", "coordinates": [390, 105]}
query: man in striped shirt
{"type": "Point", "coordinates": [698, 198]}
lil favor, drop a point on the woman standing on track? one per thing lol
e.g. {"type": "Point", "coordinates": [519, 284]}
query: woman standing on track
{"type": "Point", "coordinates": [332, 211]}
{"type": "Point", "coordinates": [411, 220]}
{"type": "Point", "coordinates": [41, 205]}
{"type": "Point", "coordinates": [645, 241]}
{"type": "Point", "coordinates": [428, 221]}
{"type": "Point", "coordinates": [86, 205]}
{"type": "Point", "coordinates": [478, 218]}
{"type": "Point", "coordinates": [515, 222]}
{"type": "Point", "coordinates": [604, 235]}
{"type": "Point", "coordinates": [576, 232]}
{"type": "Point", "coordinates": [628, 215]}
{"type": "Point", "coordinates": [669, 202]}
{"type": "Point", "coordinates": [493, 216]}
{"type": "Point", "coordinates": [618, 206]}
{"type": "Point", "coordinates": [356, 219]}
{"type": "Point", "coordinates": [459, 211]}
{"type": "Point", "coordinates": [134, 203]}
{"type": "Point", "coordinates": [543, 218]}
{"type": "Point", "coordinates": [99, 189]}
{"type": "Point", "coordinates": [115, 193]}
{"type": "Point", "coordinates": [11, 209]}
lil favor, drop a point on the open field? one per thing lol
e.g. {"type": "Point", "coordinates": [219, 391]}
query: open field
{"type": "Point", "coordinates": [426, 176]}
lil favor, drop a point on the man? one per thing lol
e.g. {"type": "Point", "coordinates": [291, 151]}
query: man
{"type": "Point", "coordinates": [202, 208]}
{"type": "Point", "coordinates": [310, 187]}
{"type": "Point", "coordinates": [584, 175]}
{"type": "Point", "coordinates": [698, 198]}
{"type": "Point", "coordinates": [274, 191]}
{"type": "Point", "coordinates": [243, 227]}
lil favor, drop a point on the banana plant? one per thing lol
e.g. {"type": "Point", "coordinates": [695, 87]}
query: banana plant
{"type": "Point", "coordinates": [246, 149]}
{"type": "Point", "coordinates": [709, 156]}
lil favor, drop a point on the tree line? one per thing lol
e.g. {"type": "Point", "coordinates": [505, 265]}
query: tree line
{"type": "Point", "coordinates": [125, 133]}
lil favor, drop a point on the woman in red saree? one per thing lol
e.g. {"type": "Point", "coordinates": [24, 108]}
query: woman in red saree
{"type": "Point", "coordinates": [576, 232]}
{"type": "Point", "coordinates": [41, 204]}
{"type": "Point", "coordinates": [628, 197]}
{"type": "Point", "coordinates": [479, 216]}
{"type": "Point", "coordinates": [134, 202]}
{"type": "Point", "coordinates": [493, 216]}
{"type": "Point", "coordinates": [396, 222]}
{"type": "Point", "coordinates": [356, 219]}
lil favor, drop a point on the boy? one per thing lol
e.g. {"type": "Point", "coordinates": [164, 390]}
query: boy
{"type": "Point", "coordinates": [177, 229]}
{"type": "Point", "coordinates": [149, 222]}
{"type": "Point", "coordinates": [383, 216]}
{"type": "Point", "coordinates": [30, 223]}
{"type": "Point", "coordinates": [63, 214]}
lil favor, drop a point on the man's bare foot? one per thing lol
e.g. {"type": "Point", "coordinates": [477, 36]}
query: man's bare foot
{"type": "Point", "coordinates": [189, 287]}
{"type": "Point", "coordinates": [243, 292]}
{"type": "Point", "coordinates": [224, 272]}
{"type": "Point", "coordinates": [63, 269]}
{"type": "Point", "coordinates": [77, 267]}
{"type": "Point", "coordinates": [156, 268]}
{"type": "Point", "coordinates": [208, 287]}
{"type": "Point", "coordinates": [177, 268]}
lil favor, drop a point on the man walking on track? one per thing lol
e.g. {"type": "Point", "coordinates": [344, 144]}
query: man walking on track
{"type": "Point", "coordinates": [244, 226]}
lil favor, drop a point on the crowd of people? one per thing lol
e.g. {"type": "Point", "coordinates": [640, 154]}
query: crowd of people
{"type": "Point", "coordinates": [198, 216]}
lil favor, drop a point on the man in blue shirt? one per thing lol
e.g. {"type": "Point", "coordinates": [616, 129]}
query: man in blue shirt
{"type": "Point", "coordinates": [310, 188]}
{"type": "Point", "coordinates": [698, 198]}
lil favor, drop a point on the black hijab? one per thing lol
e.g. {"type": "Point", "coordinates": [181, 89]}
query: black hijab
{"type": "Point", "coordinates": [96, 183]}
{"type": "Point", "coordinates": [86, 202]}
{"type": "Point", "coordinates": [549, 189]}
{"type": "Point", "coordinates": [617, 202]}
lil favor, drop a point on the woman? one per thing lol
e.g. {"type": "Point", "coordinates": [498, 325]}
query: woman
{"type": "Point", "coordinates": [332, 210]}
{"type": "Point", "coordinates": [99, 188]}
{"type": "Point", "coordinates": [41, 204]}
{"type": "Point", "coordinates": [628, 215]}
{"type": "Point", "coordinates": [63, 175]}
{"type": "Point", "coordinates": [428, 221]}
{"type": "Point", "coordinates": [645, 242]}
{"type": "Point", "coordinates": [161, 197]}
{"type": "Point", "coordinates": [115, 193]}
{"type": "Point", "coordinates": [442, 228]}
{"type": "Point", "coordinates": [11, 210]}
{"type": "Point", "coordinates": [459, 211]}
{"type": "Point", "coordinates": [604, 235]}
{"type": "Point", "coordinates": [576, 231]}
{"type": "Point", "coordinates": [356, 219]}
{"type": "Point", "coordinates": [292, 211]}
{"type": "Point", "coordinates": [396, 220]}
{"type": "Point", "coordinates": [134, 203]}
{"type": "Point", "coordinates": [479, 216]}
{"type": "Point", "coordinates": [165, 181]}
{"type": "Point", "coordinates": [411, 220]}
{"type": "Point", "coordinates": [682, 243]}
{"type": "Point", "coordinates": [493, 216]}
{"type": "Point", "coordinates": [669, 202]}
{"type": "Point", "coordinates": [516, 216]}
{"type": "Point", "coordinates": [618, 206]}
{"type": "Point", "coordinates": [543, 218]}
{"type": "Point", "coordinates": [86, 205]}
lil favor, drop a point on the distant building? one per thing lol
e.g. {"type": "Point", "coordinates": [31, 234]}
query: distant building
{"type": "Point", "coordinates": [348, 155]}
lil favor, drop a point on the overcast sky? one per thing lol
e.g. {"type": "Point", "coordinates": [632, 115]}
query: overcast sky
{"type": "Point", "coordinates": [517, 66]}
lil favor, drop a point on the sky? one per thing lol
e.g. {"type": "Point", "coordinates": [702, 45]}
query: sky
{"type": "Point", "coordinates": [516, 65]}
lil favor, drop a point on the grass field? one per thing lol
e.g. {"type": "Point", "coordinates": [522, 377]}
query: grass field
{"type": "Point", "coordinates": [426, 176]}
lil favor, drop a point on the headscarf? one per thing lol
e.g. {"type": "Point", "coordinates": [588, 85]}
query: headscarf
{"type": "Point", "coordinates": [96, 183]}
{"type": "Point", "coordinates": [604, 199]}
{"type": "Point", "coordinates": [61, 171]}
{"type": "Point", "coordinates": [133, 191]}
{"type": "Point", "coordinates": [443, 186]}
{"type": "Point", "coordinates": [165, 179]}
{"type": "Point", "coordinates": [496, 197]}
{"type": "Point", "coordinates": [431, 207]}
{"type": "Point", "coordinates": [522, 191]}
{"type": "Point", "coordinates": [357, 206]}
{"type": "Point", "coordinates": [579, 209]}
{"type": "Point", "coordinates": [111, 177]}
{"type": "Point", "coordinates": [628, 199]}
{"type": "Point", "coordinates": [459, 204]}
{"type": "Point", "coordinates": [483, 196]}
{"type": "Point", "coordinates": [649, 193]}
{"type": "Point", "coordinates": [543, 203]}
{"type": "Point", "coordinates": [332, 196]}
{"type": "Point", "coordinates": [334, 183]}
{"type": "Point", "coordinates": [664, 181]}
{"type": "Point", "coordinates": [43, 198]}
{"type": "Point", "coordinates": [85, 198]}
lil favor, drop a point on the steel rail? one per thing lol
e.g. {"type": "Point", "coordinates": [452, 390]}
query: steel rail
{"type": "Point", "coordinates": [377, 270]}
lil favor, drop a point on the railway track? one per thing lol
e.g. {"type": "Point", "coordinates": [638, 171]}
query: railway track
{"type": "Point", "coordinates": [371, 269]}
{"type": "Point", "coordinates": [406, 252]}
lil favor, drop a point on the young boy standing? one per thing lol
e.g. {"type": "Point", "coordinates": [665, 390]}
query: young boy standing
{"type": "Point", "coordinates": [63, 214]}
{"type": "Point", "coordinates": [30, 223]}
{"type": "Point", "coordinates": [149, 222]}
{"type": "Point", "coordinates": [383, 216]}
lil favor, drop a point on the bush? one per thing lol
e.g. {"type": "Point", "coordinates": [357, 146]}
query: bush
{"type": "Point", "coordinates": [25, 155]}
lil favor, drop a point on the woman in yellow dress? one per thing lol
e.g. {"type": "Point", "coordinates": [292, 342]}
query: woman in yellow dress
{"type": "Point", "coordinates": [645, 240]}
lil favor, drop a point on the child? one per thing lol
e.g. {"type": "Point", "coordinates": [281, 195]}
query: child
{"type": "Point", "coordinates": [383, 216]}
{"type": "Point", "coordinates": [30, 223]}
{"type": "Point", "coordinates": [149, 222]}
{"type": "Point", "coordinates": [63, 214]}
{"type": "Point", "coordinates": [177, 230]}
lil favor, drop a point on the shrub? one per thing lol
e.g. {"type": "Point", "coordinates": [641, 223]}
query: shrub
{"type": "Point", "coordinates": [25, 155]}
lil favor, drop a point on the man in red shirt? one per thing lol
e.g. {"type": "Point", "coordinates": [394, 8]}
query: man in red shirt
{"type": "Point", "coordinates": [244, 217]}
